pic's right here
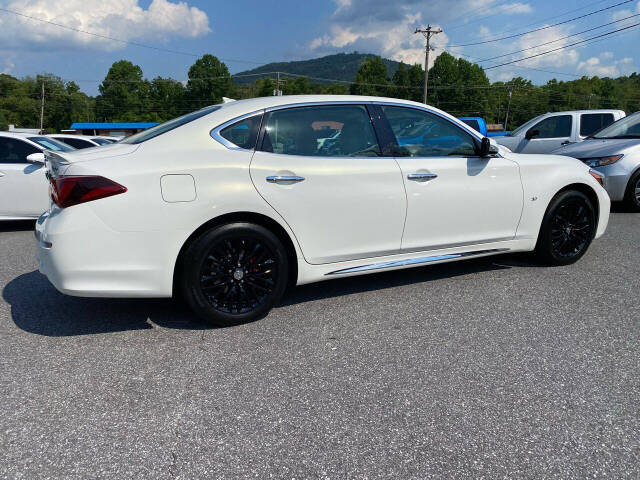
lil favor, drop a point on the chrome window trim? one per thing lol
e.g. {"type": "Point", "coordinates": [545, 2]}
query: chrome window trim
{"type": "Point", "coordinates": [215, 133]}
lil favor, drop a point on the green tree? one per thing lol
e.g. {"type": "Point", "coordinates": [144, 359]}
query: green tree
{"type": "Point", "coordinates": [124, 94]}
{"type": "Point", "coordinates": [371, 78]}
{"type": "Point", "coordinates": [209, 81]}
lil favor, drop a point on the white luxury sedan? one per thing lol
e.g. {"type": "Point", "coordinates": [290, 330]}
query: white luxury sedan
{"type": "Point", "coordinates": [228, 205]}
{"type": "Point", "coordinates": [23, 186]}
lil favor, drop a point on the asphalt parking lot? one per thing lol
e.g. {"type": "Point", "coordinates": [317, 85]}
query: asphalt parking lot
{"type": "Point", "coordinates": [491, 368]}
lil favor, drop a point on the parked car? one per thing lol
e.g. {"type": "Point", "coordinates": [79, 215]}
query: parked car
{"type": "Point", "coordinates": [79, 141]}
{"type": "Point", "coordinates": [615, 152]}
{"type": "Point", "coordinates": [228, 205]}
{"type": "Point", "coordinates": [106, 140]}
{"type": "Point", "coordinates": [547, 132]}
{"type": "Point", "coordinates": [480, 125]}
{"type": "Point", "coordinates": [24, 190]}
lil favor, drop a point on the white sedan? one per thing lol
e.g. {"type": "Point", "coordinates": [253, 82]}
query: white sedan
{"type": "Point", "coordinates": [24, 190]}
{"type": "Point", "coordinates": [228, 205]}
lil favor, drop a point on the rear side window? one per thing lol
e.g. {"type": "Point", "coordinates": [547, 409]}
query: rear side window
{"type": "Point", "coordinates": [554, 127]}
{"type": "Point", "coordinates": [15, 151]}
{"type": "Point", "coordinates": [243, 133]}
{"type": "Point", "coordinates": [592, 122]}
{"type": "Point", "coordinates": [323, 131]}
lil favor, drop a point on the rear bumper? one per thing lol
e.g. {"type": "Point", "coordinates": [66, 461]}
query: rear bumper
{"type": "Point", "coordinates": [81, 256]}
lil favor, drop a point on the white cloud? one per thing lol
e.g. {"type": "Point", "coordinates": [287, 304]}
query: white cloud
{"type": "Point", "coordinates": [8, 66]}
{"type": "Point", "coordinates": [122, 19]}
{"type": "Point", "coordinates": [559, 58]}
{"type": "Point", "coordinates": [387, 27]}
{"type": "Point", "coordinates": [605, 65]}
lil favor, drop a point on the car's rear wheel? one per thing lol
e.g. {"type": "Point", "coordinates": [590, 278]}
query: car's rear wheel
{"type": "Point", "coordinates": [567, 229]}
{"type": "Point", "coordinates": [234, 273]}
{"type": "Point", "coordinates": [632, 195]}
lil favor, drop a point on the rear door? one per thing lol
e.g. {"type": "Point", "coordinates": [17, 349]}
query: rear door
{"type": "Point", "coordinates": [552, 133]}
{"type": "Point", "coordinates": [321, 168]}
{"type": "Point", "coordinates": [23, 187]}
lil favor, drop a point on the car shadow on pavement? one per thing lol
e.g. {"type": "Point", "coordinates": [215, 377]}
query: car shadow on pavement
{"type": "Point", "coordinates": [37, 307]}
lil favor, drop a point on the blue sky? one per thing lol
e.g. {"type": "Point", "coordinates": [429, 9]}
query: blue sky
{"type": "Point", "coordinates": [247, 33]}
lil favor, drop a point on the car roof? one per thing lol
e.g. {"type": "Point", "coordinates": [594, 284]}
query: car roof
{"type": "Point", "coordinates": [70, 135]}
{"type": "Point", "coordinates": [594, 110]}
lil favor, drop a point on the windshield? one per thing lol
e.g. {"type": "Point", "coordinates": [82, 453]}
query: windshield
{"type": "Point", "coordinates": [628, 127]}
{"type": "Point", "coordinates": [52, 144]}
{"type": "Point", "coordinates": [524, 126]}
{"type": "Point", "coordinates": [170, 125]}
{"type": "Point", "coordinates": [102, 141]}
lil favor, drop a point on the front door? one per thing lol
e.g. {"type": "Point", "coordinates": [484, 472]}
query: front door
{"type": "Point", "coordinates": [549, 134]}
{"type": "Point", "coordinates": [454, 197]}
{"type": "Point", "coordinates": [320, 167]}
{"type": "Point", "coordinates": [23, 187]}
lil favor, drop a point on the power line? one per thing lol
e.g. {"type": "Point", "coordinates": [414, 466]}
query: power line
{"type": "Point", "coordinates": [541, 28]}
{"type": "Point", "coordinates": [563, 47]}
{"type": "Point", "coordinates": [559, 39]}
{"type": "Point", "coordinates": [127, 42]}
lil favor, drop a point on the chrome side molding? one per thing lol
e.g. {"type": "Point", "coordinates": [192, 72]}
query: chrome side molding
{"type": "Point", "coordinates": [417, 261]}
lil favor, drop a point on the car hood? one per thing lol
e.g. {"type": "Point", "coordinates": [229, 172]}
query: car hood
{"type": "Point", "coordinates": [597, 148]}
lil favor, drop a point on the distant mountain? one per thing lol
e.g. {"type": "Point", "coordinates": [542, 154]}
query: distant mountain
{"type": "Point", "coordinates": [341, 66]}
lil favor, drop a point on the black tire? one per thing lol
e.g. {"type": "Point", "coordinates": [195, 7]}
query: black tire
{"type": "Point", "coordinates": [567, 230]}
{"type": "Point", "coordinates": [632, 195]}
{"type": "Point", "coordinates": [234, 274]}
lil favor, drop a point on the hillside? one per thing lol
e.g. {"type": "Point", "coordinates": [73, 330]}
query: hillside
{"type": "Point", "coordinates": [342, 66]}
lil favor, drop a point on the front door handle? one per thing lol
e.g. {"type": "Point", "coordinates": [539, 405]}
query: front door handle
{"type": "Point", "coordinates": [421, 177]}
{"type": "Point", "coordinates": [284, 179]}
{"type": "Point", "coordinates": [1, 174]}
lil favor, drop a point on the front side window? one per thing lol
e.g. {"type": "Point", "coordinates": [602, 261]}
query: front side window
{"type": "Point", "coordinates": [592, 122]}
{"type": "Point", "coordinates": [243, 133]}
{"type": "Point", "coordinates": [473, 124]}
{"type": "Point", "coordinates": [554, 127]}
{"type": "Point", "coordinates": [52, 144]}
{"type": "Point", "coordinates": [324, 131]}
{"type": "Point", "coordinates": [15, 151]}
{"type": "Point", "coordinates": [423, 134]}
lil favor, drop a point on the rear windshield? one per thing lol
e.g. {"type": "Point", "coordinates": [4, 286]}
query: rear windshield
{"type": "Point", "coordinates": [167, 126]}
{"type": "Point", "coordinates": [52, 144]}
{"type": "Point", "coordinates": [102, 141]}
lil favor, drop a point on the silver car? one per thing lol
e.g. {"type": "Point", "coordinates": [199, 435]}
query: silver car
{"type": "Point", "coordinates": [615, 152]}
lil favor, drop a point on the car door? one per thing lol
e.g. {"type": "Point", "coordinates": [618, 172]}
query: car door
{"type": "Point", "coordinates": [454, 197]}
{"type": "Point", "coordinates": [552, 133]}
{"type": "Point", "coordinates": [23, 187]}
{"type": "Point", "coordinates": [320, 167]}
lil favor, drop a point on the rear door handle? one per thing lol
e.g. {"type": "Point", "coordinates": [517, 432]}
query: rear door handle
{"type": "Point", "coordinates": [566, 142]}
{"type": "Point", "coordinates": [284, 179]}
{"type": "Point", "coordinates": [1, 174]}
{"type": "Point", "coordinates": [421, 177]}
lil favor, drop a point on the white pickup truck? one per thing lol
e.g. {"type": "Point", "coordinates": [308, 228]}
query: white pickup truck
{"type": "Point", "coordinates": [550, 131]}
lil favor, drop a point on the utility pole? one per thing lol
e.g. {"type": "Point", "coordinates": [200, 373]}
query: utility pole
{"type": "Point", "coordinates": [277, 92]}
{"type": "Point", "coordinates": [427, 33]}
{"type": "Point", "coordinates": [506, 119]}
{"type": "Point", "coordinates": [42, 109]}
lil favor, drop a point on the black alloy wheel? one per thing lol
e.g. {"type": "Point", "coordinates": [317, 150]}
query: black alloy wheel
{"type": "Point", "coordinates": [567, 229]}
{"type": "Point", "coordinates": [234, 273]}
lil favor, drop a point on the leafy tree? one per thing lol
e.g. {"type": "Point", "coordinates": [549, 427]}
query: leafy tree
{"type": "Point", "coordinates": [371, 78]}
{"type": "Point", "coordinates": [124, 94]}
{"type": "Point", "coordinates": [209, 81]}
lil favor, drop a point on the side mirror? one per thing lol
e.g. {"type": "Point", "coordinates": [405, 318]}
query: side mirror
{"type": "Point", "coordinates": [531, 134]}
{"type": "Point", "coordinates": [487, 148]}
{"type": "Point", "coordinates": [36, 158]}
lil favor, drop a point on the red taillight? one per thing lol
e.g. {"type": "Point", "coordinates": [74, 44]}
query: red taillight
{"type": "Point", "coordinates": [72, 190]}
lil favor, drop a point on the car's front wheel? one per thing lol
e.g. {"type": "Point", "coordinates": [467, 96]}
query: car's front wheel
{"type": "Point", "coordinates": [632, 195]}
{"type": "Point", "coordinates": [234, 273]}
{"type": "Point", "coordinates": [567, 230]}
